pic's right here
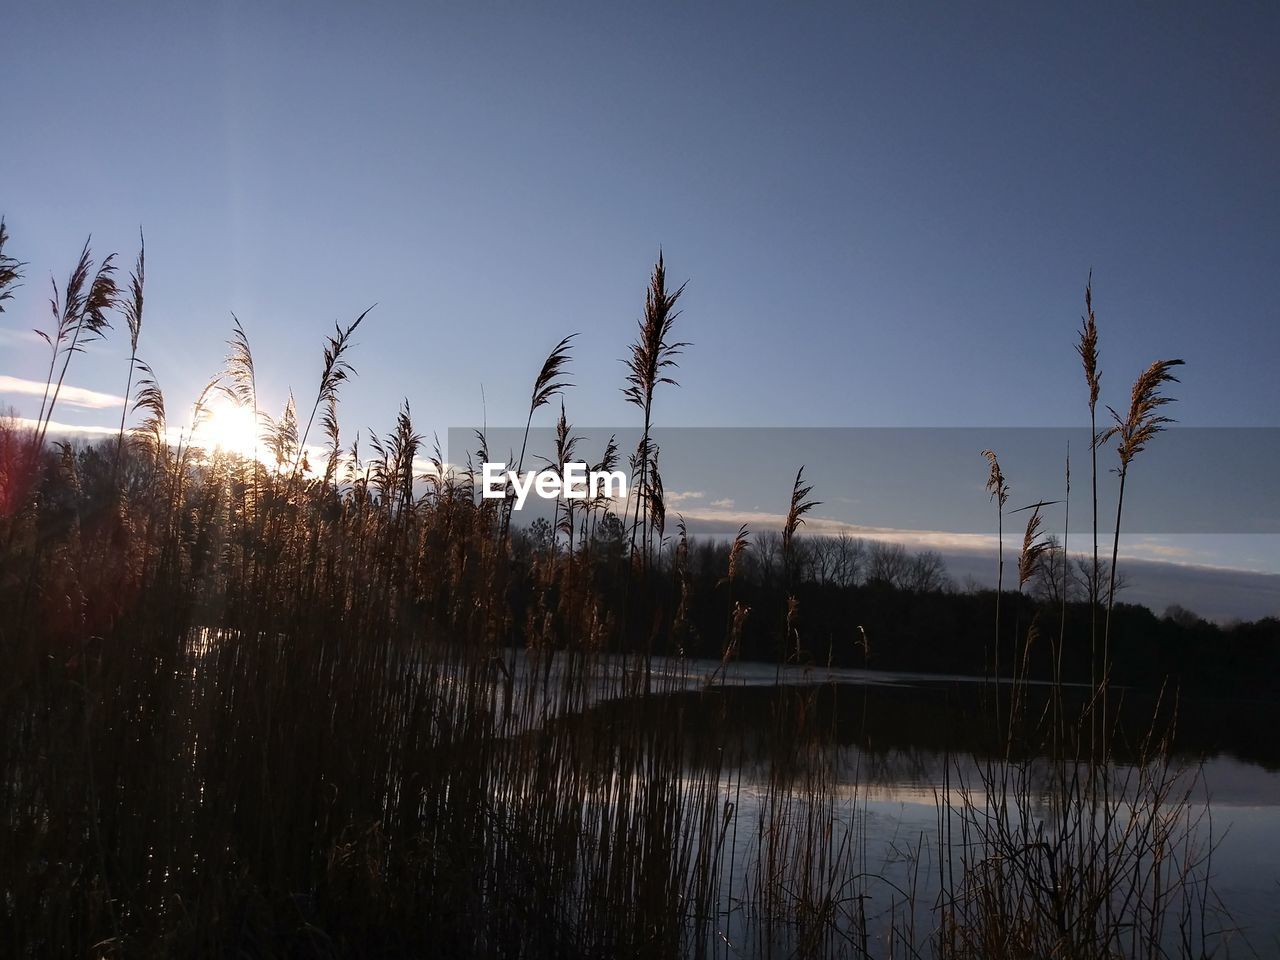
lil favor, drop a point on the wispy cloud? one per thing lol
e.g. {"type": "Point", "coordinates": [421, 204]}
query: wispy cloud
{"type": "Point", "coordinates": [18, 336]}
{"type": "Point", "coordinates": [720, 517]}
{"type": "Point", "coordinates": [72, 396]}
{"type": "Point", "coordinates": [315, 455]}
{"type": "Point", "coordinates": [675, 497]}
{"type": "Point", "coordinates": [1163, 551]}
{"type": "Point", "coordinates": [66, 429]}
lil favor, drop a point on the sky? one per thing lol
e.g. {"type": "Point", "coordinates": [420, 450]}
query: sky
{"type": "Point", "coordinates": [886, 213]}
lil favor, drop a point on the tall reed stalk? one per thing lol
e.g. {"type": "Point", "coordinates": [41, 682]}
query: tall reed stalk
{"type": "Point", "coordinates": [549, 383]}
{"type": "Point", "coordinates": [133, 319]}
{"type": "Point", "coordinates": [652, 354]}
{"type": "Point", "coordinates": [79, 318]}
{"type": "Point", "coordinates": [1133, 432]}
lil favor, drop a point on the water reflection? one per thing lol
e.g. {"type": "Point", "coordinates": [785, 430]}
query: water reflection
{"type": "Point", "coordinates": [905, 744]}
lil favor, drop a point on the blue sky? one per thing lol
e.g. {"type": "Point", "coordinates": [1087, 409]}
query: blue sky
{"type": "Point", "coordinates": [886, 212]}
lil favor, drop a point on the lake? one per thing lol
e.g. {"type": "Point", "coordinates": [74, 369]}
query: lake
{"type": "Point", "coordinates": [889, 768]}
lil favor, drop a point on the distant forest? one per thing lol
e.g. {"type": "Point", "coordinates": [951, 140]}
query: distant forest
{"type": "Point", "coordinates": [877, 605]}
{"type": "Point", "coordinates": [853, 603]}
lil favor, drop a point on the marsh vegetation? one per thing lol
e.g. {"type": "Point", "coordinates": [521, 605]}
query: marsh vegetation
{"type": "Point", "coordinates": [323, 701]}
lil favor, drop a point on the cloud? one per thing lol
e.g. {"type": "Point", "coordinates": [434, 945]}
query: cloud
{"type": "Point", "coordinates": [423, 468]}
{"type": "Point", "coordinates": [71, 396]}
{"type": "Point", "coordinates": [725, 519]}
{"type": "Point", "coordinates": [675, 497]}
{"type": "Point", "coordinates": [18, 336]}
{"type": "Point", "coordinates": [1159, 574]}
{"type": "Point", "coordinates": [1163, 551]}
{"type": "Point", "coordinates": [66, 429]}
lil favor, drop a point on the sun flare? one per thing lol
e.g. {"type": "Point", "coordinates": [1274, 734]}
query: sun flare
{"type": "Point", "coordinates": [230, 428]}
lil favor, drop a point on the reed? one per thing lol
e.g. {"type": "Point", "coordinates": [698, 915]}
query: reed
{"type": "Point", "coordinates": [10, 269]}
{"type": "Point", "coordinates": [79, 317]}
{"type": "Point", "coordinates": [653, 353]}
{"type": "Point", "coordinates": [548, 384]}
{"type": "Point", "coordinates": [1087, 348]}
{"type": "Point", "coordinates": [347, 711]}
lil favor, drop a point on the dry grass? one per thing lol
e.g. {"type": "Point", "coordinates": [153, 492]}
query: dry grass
{"type": "Point", "coordinates": [256, 712]}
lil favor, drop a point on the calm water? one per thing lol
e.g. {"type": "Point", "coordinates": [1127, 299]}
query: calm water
{"type": "Point", "coordinates": [903, 744]}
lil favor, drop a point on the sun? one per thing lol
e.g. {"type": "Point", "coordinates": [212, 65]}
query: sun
{"type": "Point", "coordinates": [230, 428]}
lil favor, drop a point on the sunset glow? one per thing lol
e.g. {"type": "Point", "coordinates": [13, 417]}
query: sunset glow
{"type": "Point", "coordinates": [230, 428]}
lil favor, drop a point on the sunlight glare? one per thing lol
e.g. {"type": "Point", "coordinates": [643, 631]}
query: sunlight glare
{"type": "Point", "coordinates": [230, 428]}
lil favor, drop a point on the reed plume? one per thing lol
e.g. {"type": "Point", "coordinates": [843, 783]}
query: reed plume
{"type": "Point", "coordinates": [441, 481]}
{"type": "Point", "coordinates": [996, 485]}
{"type": "Point", "coordinates": [655, 498]}
{"type": "Point", "coordinates": [736, 551]}
{"type": "Point", "coordinates": [132, 305]}
{"type": "Point", "coordinates": [404, 449]}
{"type": "Point", "coordinates": [549, 383]}
{"type": "Point", "coordinates": [281, 436]}
{"type": "Point", "coordinates": [239, 380]}
{"type": "Point", "coordinates": [800, 505]}
{"type": "Point", "coordinates": [150, 399]}
{"type": "Point", "coordinates": [566, 448]}
{"type": "Point", "coordinates": [10, 268]}
{"type": "Point", "coordinates": [999, 491]}
{"type": "Point", "coordinates": [335, 372]}
{"type": "Point", "coordinates": [1034, 546]}
{"type": "Point", "coordinates": [482, 451]}
{"type": "Point", "coordinates": [652, 353]}
{"type": "Point", "coordinates": [79, 318]}
{"type": "Point", "coordinates": [1087, 348]}
{"type": "Point", "coordinates": [200, 413]}
{"type": "Point", "coordinates": [600, 500]}
{"type": "Point", "coordinates": [1134, 432]}
{"type": "Point", "coordinates": [1142, 422]}
{"type": "Point", "coordinates": [329, 424]}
